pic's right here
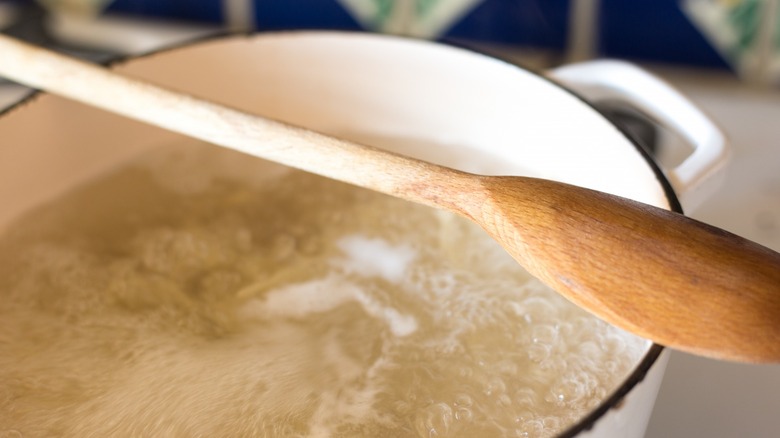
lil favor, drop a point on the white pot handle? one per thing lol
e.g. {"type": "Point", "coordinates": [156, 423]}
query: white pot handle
{"type": "Point", "coordinates": [700, 174]}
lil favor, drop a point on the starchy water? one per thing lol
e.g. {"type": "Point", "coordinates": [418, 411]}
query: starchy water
{"type": "Point", "coordinates": [199, 292]}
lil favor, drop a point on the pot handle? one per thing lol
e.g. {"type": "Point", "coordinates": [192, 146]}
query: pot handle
{"type": "Point", "coordinates": [700, 174]}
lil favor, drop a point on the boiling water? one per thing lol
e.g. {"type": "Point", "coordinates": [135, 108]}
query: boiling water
{"type": "Point", "coordinates": [208, 294]}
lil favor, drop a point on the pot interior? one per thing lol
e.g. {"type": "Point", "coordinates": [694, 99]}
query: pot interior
{"type": "Point", "coordinates": [440, 104]}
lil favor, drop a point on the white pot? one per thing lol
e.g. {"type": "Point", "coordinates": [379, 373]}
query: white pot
{"type": "Point", "coordinates": [477, 113]}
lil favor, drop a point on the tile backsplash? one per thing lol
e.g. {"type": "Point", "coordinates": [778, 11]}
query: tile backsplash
{"type": "Point", "coordinates": [741, 35]}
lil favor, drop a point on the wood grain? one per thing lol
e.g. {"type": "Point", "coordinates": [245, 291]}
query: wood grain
{"type": "Point", "coordinates": [653, 272]}
{"type": "Point", "coordinates": [658, 274]}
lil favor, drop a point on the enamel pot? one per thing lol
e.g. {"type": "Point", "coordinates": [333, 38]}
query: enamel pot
{"type": "Point", "coordinates": [470, 111]}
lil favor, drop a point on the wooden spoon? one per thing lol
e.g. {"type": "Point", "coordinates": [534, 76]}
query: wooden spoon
{"type": "Point", "coordinates": [676, 281]}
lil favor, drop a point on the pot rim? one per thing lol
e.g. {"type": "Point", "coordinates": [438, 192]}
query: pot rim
{"type": "Point", "coordinates": [640, 371]}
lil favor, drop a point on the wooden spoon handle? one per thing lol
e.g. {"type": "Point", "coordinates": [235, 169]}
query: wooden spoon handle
{"type": "Point", "coordinates": [361, 165]}
{"type": "Point", "coordinates": [661, 275]}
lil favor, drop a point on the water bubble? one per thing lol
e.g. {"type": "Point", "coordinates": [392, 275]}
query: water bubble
{"type": "Point", "coordinates": [545, 334]}
{"type": "Point", "coordinates": [613, 344]}
{"type": "Point", "coordinates": [434, 420]}
{"type": "Point", "coordinates": [530, 428]}
{"type": "Point", "coordinates": [556, 364]}
{"type": "Point", "coordinates": [463, 400]}
{"type": "Point", "coordinates": [565, 329]}
{"type": "Point", "coordinates": [504, 400]}
{"type": "Point", "coordinates": [589, 349]}
{"type": "Point", "coordinates": [566, 392]}
{"type": "Point", "coordinates": [551, 423]}
{"type": "Point", "coordinates": [525, 396]}
{"type": "Point", "coordinates": [402, 407]}
{"type": "Point", "coordinates": [538, 352]}
{"type": "Point", "coordinates": [464, 414]}
{"type": "Point", "coordinates": [535, 309]}
{"type": "Point", "coordinates": [495, 387]}
{"type": "Point", "coordinates": [523, 416]}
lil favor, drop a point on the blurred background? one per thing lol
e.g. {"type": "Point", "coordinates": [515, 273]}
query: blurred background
{"type": "Point", "coordinates": [723, 54]}
{"type": "Point", "coordinates": [735, 35]}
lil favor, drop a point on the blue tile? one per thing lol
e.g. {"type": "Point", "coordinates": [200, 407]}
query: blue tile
{"type": "Point", "coordinates": [653, 30]}
{"type": "Point", "coordinates": [537, 23]}
{"type": "Point", "coordinates": [302, 14]}
{"type": "Point", "coordinates": [209, 11]}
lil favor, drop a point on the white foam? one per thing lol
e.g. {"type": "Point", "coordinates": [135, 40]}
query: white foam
{"type": "Point", "coordinates": [301, 299]}
{"type": "Point", "coordinates": [322, 295]}
{"type": "Point", "coordinates": [400, 325]}
{"type": "Point", "coordinates": [373, 257]}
